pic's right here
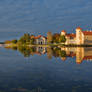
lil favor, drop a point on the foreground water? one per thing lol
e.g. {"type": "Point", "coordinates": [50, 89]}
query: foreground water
{"type": "Point", "coordinates": [39, 73]}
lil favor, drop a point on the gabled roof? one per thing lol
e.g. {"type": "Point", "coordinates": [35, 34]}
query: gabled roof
{"type": "Point", "coordinates": [87, 32]}
{"type": "Point", "coordinates": [71, 35]}
{"type": "Point", "coordinates": [39, 36]}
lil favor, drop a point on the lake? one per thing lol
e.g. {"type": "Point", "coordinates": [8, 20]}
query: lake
{"type": "Point", "coordinates": [45, 69]}
{"type": "Point", "coordinates": [42, 69]}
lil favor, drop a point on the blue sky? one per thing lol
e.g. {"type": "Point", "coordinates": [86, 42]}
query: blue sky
{"type": "Point", "coordinates": [39, 16]}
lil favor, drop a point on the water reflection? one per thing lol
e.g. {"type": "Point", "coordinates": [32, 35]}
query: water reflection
{"type": "Point", "coordinates": [80, 53]}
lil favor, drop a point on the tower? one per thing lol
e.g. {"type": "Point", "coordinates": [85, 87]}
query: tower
{"type": "Point", "coordinates": [63, 32]}
{"type": "Point", "coordinates": [78, 35]}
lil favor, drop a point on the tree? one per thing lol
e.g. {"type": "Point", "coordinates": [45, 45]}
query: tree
{"type": "Point", "coordinates": [25, 39]}
{"type": "Point", "coordinates": [7, 42]}
{"type": "Point", "coordinates": [14, 41]}
{"type": "Point", "coordinates": [62, 39]}
{"type": "Point", "coordinates": [49, 37]}
{"type": "Point", "coordinates": [32, 41]}
{"type": "Point", "coordinates": [56, 37]}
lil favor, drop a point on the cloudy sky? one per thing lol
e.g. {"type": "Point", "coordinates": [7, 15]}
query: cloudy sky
{"type": "Point", "coordinates": [39, 16]}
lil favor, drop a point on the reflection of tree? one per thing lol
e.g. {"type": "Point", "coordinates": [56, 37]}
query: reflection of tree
{"type": "Point", "coordinates": [63, 53]}
{"type": "Point", "coordinates": [57, 52]}
{"type": "Point", "coordinates": [24, 50]}
{"type": "Point", "coordinates": [49, 52]}
{"type": "Point", "coordinates": [14, 48]}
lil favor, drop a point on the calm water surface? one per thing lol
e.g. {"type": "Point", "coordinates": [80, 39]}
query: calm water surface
{"type": "Point", "coordinates": [53, 70]}
{"type": "Point", "coordinates": [38, 73]}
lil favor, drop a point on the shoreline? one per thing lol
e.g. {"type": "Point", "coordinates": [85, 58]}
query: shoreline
{"type": "Point", "coordinates": [47, 45]}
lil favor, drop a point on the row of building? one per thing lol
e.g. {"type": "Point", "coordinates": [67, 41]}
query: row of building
{"type": "Point", "coordinates": [79, 38]}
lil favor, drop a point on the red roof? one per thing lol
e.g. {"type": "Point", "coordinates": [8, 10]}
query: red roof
{"type": "Point", "coordinates": [87, 57]}
{"type": "Point", "coordinates": [79, 28]}
{"type": "Point", "coordinates": [72, 55]}
{"type": "Point", "coordinates": [39, 36]}
{"type": "Point", "coordinates": [87, 32]}
{"type": "Point", "coordinates": [71, 35]}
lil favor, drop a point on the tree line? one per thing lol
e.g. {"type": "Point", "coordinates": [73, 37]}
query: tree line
{"type": "Point", "coordinates": [29, 39]}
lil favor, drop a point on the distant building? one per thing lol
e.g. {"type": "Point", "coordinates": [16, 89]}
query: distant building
{"type": "Point", "coordinates": [40, 39]}
{"type": "Point", "coordinates": [70, 38]}
{"type": "Point", "coordinates": [81, 37]}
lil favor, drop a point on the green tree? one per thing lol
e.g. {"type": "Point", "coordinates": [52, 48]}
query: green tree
{"type": "Point", "coordinates": [32, 41]}
{"type": "Point", "coordinates": [62, 39]}
{"type": "Point", "coordinates": [24, 39]}
{"type": "Point", "coordinates": [14, 41]}
{"type": "Point", "coordinates": [56, 38]}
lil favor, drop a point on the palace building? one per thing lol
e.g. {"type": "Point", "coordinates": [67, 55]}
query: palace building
{"type": "Point", "coordinates": [81, 37]}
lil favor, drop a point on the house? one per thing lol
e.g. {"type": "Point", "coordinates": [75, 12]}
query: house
{"type": "Point", "coordinates": [39, 39]}
{"type": "Point", "coordinates": [81, 37]}
{"type": "Point", "coordinates": [70, 38]}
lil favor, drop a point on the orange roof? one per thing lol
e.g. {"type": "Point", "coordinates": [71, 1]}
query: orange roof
{"type": "Point", "coordinates": [79, 28]}
{"type": "Point", "coordinates": [71, 35]}
{"type": "Point", "coordinates": [87, 32]}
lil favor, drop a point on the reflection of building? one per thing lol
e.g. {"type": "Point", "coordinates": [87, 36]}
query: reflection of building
{"type": "Point", "coordinates": [81, 37]}
{"type": "Point", "coordinates": [41, 50]}
{"type": "Point", "coordinates": [80, 53]}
